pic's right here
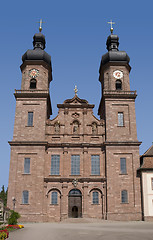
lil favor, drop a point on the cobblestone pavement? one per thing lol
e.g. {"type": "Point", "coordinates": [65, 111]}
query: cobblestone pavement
{"type": "Point", "coordinates": [77, 230]}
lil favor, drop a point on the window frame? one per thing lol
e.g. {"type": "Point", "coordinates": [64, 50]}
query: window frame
{"type": "Point", "coordinates": [120, 124]}
{"type": "Point", "coordinates": [55, 165]}
{"type": "Point", "coordinates": [75, 170]}
{"type": "Point", "coordinates": [30, 119]}
{"type": "Point", "coordinates": [23, 197]}
{"type": "Point", "coordinates": [54, 199]}
{"type": "Point", "coordinates": [123, 192]}
{"type": "Point", "coordinates": [26, 172]}
{"type": "Point", "coordinates": [123, 166]}
{"type": "Point", "coordinates": [95, 167]}
{"type": "Point", "coordinates": [95, 199]}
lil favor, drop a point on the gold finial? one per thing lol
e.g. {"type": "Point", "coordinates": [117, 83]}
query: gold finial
{"type": "Point", "coordinates": [75, 90]}
{"type": "Point", "coordinates": [40, 25]}
{"type": "Point", "coordinates": [111, 23]}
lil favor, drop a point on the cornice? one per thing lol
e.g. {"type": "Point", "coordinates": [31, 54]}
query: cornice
{"type": "Point", "coordinates": [81, 180]}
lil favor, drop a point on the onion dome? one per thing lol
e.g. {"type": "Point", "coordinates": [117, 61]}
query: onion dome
{"type": "Point", "coordinates": [38, 52]}
{"type": "Point", "coordinates": [113, 54]}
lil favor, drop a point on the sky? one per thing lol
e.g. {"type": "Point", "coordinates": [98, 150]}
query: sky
{"type": "Point", "coordinates": [76, 34]}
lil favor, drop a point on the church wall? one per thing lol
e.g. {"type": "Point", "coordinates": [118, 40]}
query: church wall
{"type": "Point", "coordinates": [32, 182]}
{"type": "Point", "coordinates": [114, 132]}
{"type": "Point", "coordinates": [23, 132]}
{"type": "Point", "coordinates": [117, 182]}
{"type": "Point", "coordinates": [42, 79]}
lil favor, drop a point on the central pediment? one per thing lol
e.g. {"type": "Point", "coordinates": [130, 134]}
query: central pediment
{"type": "Point", "coordinates": [75, 102]}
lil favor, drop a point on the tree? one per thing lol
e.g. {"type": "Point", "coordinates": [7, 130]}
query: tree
{"type": "Point", "coordinates": [3, 195]}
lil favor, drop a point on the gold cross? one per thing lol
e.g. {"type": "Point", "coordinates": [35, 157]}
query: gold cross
{"type": "Point", "coordinates": [111, 23]}
{"type": "Point", "coordinates": [40, 25]}
{"type": "Point", "coordinates": [75, 90]}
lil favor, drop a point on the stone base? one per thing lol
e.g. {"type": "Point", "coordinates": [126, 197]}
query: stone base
{"type": "Point", "coordinates": [124, 216]}
{"type": "Point", "coordinates": [148, 218]}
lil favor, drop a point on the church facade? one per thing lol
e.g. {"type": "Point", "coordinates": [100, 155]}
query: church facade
{"type": "Point", "coordinates": [75, 165]}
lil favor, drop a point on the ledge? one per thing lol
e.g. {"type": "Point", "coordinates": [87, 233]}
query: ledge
{"type": "Point", "coordinates": [137, 143]}
{"type": "Point", "coordinates": [81, 180]}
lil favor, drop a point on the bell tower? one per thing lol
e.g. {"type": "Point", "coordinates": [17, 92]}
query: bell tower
{"type": "Point", "coordinates": [117, 109]}
{"type": "Point", "coordinates": [28, 147]}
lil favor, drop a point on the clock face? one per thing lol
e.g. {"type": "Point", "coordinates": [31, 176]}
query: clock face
{"type": "Point", "coordinates": [33, 73]}
{"type": "Point", "coordinates": [117, 74]}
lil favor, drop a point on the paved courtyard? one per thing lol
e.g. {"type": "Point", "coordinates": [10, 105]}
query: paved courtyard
{"type": "Point", "coordinates": [100, 230]}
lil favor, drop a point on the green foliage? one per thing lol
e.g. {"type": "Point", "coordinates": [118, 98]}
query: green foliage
{"type": "Point", "coordinates": [3, 195]}
{"type": "Point", "coordinates": [13, 218]}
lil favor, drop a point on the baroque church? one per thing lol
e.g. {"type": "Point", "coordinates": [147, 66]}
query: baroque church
{"type": "Point", "coordinates": [75, 165]}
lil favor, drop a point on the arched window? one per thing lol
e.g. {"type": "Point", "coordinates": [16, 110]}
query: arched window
{"type": "Point", "coordinates": [54, 198]}
{"type": "Point", "coordinates": [94, 128]}
{"type": "Point", "coordinates": [25, 197]}
{"type": "Point", "coordinates": [118, 85]}
{"type": "Point", "coordinates": [75, 192]}
{"type": "Point", "coordinates": [124, 196]}
{"type": "Point", "coordinates": [75, 127]}
{"type": "Point", "coordinates": [95, 197]}
{"type": "Point", "coordinates": [57, 127]}
{"type": "Point", "coordinates": [33, 83]}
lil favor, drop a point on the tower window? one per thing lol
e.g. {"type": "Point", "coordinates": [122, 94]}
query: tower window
{"type": "Point", "coordinates": [123, 165]}
{"type": "Point", "coordinates": [124, 196]}
{"type": "Point", "coordinates": [95, 198]}
{"type": "Point", "coordinates": [33, 83]}
{"type": "Point", "coordinates": [118, 85]}
{"type": "Point", "coordinates": [30, 119]}
{"type": "Point", "coordinates": [27, 165]}
{"type": "Point", "coordinates": [55, 164]}
{"type": "Point", "coordinates": [95, 165]}
{"type": "Point", "coordinates": [54, 198]}
{"type": "Point", "coordinates": [120, 119]}
{"type": "Point", "coordinates": [75, 164]}
{"type": "Point", "coordinates": [25, 197]}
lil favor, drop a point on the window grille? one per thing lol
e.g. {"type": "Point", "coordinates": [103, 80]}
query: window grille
{"type": "Point", "coordinates": [54, 198]}
{"type": "Point", "coordinates": [124, 196]}
{"type": "Point", "coordinates": [55, 164]}
{"type": "Point", "coordinates": [30, 118]}
{"type": "Point", "coordinates": [123, 165]}
{"type": "Point", "coordinates": [95, 165]}
{"type": "Point", "coordinates": [75, 164]}
{"type": "Point", "coordinates": [120, 119]}
{"type": "Point", "coordinates": [25, 197]}
{"type": "Point", "coordinates": [95, 198]}
{"type": "Point", "coordinates": [27, 165]}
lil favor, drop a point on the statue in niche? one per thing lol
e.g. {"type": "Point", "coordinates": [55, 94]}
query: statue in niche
{"type": "Point", "coordinates": [94, 128]}
{"type": "Point", "coordinates": [57, 127]}
{"type": "Point", "coordinates": [75, 127]}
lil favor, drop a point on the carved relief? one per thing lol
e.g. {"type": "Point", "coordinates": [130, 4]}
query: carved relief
{"type": "Point", "coordinates": [75, 115]}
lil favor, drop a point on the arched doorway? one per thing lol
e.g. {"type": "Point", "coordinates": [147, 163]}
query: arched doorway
{"type": "Point", "coordinates": [75, 203]}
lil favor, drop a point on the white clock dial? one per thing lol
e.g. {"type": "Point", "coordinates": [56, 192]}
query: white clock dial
{"type": "Point", "coordinates": [118, 74]}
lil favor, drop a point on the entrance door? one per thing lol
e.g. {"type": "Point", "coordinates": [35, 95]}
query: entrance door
{"type": "Point", "coordinates": [75, 203]}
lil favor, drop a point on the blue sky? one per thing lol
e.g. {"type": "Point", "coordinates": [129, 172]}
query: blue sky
{"type": "Point", "coordinates": [76, 33]}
